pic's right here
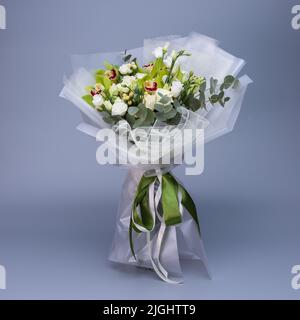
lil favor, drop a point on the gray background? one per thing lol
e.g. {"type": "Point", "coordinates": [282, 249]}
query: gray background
{"type": "Point", "coordinates": [58, 207]}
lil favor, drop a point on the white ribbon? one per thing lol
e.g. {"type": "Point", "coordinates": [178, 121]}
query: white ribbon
{"type": "Point", "coordinates": [155, 246]}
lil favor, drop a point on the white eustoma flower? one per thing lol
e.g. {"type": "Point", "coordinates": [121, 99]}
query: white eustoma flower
{"type": "Point", "coordinates": [164, 78]}
{"type": "Point", "coordinates": [140, 75]}
{"type": "Point", "coordinates": [119, 108]}
{"type": "Point", "coordinates": [98, 100]}
{"type": "Point", "coordinates": [176, 88]}
{"type": "Point", "coordinates": [150, 100]}
{"type": "Point", "coordinates": [113, 90]}
{"type": "Point", "coordinates": [125, 68]}
{"type": "Point", "coordinates": [159, 51]}
{"type": "Point", "coordinates": [168, 61]}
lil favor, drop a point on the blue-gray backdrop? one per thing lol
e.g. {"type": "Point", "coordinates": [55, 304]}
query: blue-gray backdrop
{"type": "Point", "coordinates": [58, 207]}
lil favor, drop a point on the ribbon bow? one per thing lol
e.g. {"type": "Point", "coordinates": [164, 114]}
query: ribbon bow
{"type": "Point", "coordinates": [161, 197]}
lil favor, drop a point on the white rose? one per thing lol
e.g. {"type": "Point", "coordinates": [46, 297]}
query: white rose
{"type": "Point", "coordinates": [176, 88]}
{"type": "Point", "coordinates": [125, 68]}
{"type": "Point", "coordinates": [150, 101]}
{"type": "Point", "coordinates": [140, 75]}
{"type": "Point", "coordinates": [113, 90]}
{"type": "Point", "coordinates": [119, 108]}
{"type": "Point", "coordinates": [107, 105]}
{"type": "Point", "coordinates": [122, 88]}
{"type": "Point", "coordinates": [98, 100]}
{"type": "Point", "coordinates": [127, 80]}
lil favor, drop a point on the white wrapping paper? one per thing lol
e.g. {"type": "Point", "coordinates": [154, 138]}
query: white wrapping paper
{"type": "Point", "coordinates": [181, 241]}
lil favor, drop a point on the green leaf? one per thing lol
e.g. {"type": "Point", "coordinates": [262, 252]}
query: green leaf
{"type": "Point", "coordinates": [165, 100]}
{"type": "Point", "coordinates": [126, 58]}
{"type": "Point", "coordinates": [175, 120]}
{"type": "Point", "coordinates": [138, 123]}
{"type": "Point", "coordinates": [221, 95]}
{"type": "Point", "coordinates": [88, 99]}
{"type": "Point", "coordinates": [202, 86]}
{"type": "Point", "coordinates": [108, 120]}
{"type": "Point", "coordinates": [105, 114]}
{"type": "Point", "coordinates": [133, 110]}
{"type": "Point", "coordinates": [150, 118]}
{"type": "Point", "coordinates": [236, 83]}
{"type": "Point", "coordinates": [226, 99]}
{"type": "Point", "coordinates": [171, 114]}
{"type": "Point", "coordinates": [202, 97]}
{"type": "Point", "coordinates": [160, 116]}
{"type": "Point", "coordinates": [159, 107]}
{"type": "Point", "coordinates": [214, 98]}
{"type": "Point", "coordinates": [177, 104]}
{"type": "Point", "coordinates": [168, 108]}
{"type": "Point", "coordinates": [213, 85]}
{"type": "Point", "coordinates": [130, 119]}
{"type": "Point", "coordinates": [142, 112]}
{"type": "Point", "coordinates": [228, 81]}
{"type": "Point", "coordinates": [193, 102]}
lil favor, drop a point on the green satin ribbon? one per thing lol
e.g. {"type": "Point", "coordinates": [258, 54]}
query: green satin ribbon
{"type": "Point", "coordinates": [169, 201]}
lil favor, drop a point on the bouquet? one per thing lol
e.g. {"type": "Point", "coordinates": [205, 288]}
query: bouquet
{"type": "Point", "coordinates": [148, 98]}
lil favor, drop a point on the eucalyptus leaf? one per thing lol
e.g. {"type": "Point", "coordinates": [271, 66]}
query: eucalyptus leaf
{"type": "Point", "coordinates": [168, 108]}
{"type": "Point", "coordinates": [236, 83]}
{"type": "Point", "coordinates": [160, 116]}
{"type": "Point", "coordinates": [142, 113]}
{"type": "Point", "coordinates": [214, 98]}
{"type": "Point", "coordinates": [130, 119]}
{"type": "Point", "coordinates": [159, 107]}
{"type": "Point", "coordinates": [228, 81]}
{"type": "Point", "coordinates": [165, 100]}
{"type": "Point", "coordinates": [171, 114]}
{"type": "Point", "coordinates": [177, 104]}
{"type": "Point", "coordinates": [202, 86]}
{"type": "Point", "coordinates": [213, 85]}
{"type": "Point", "coordinates": [150, 118]}
{"type": "Point", "coordinates": [127, 58]}
{"type": "Point", "coordinates": [133, 110]}
{"type": "Point", "coordinates": [138, 123]}
{"type": "Point", "coordinates": [108, 120]}
{"type": "Point", "coordinates": [221, 95]}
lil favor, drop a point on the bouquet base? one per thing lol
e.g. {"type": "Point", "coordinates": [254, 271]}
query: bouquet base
{"type": "Point", "coordinates": [164, 248]}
